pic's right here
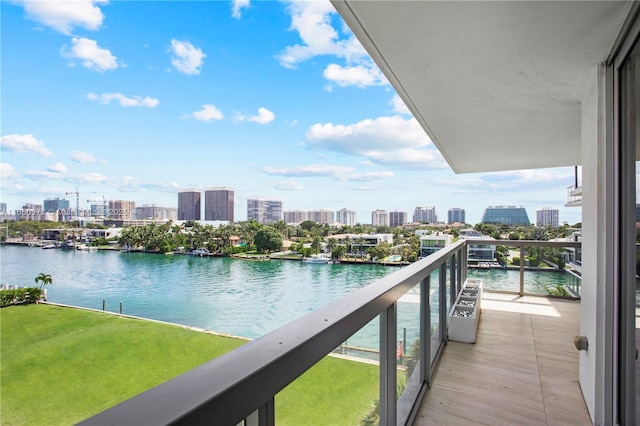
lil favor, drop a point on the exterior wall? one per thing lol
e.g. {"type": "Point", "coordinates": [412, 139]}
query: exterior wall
{"type": "Point", "coordinates": [547, 217]}
{"type": "Point", "coordinates": [596, 250]}
{"type": "Point", "coordinates": [219, 204]}
{"type": "Point", "coordinates": [189, 205]}
{"type": "Point", "coordinates": [346, 217]}
{"type": "Point", "coordinates": [380, 218]}
{"type": "Point", "coordinates": [456, 214]}
{"type": "Point", "coordinates": [508, 215]}
{"type": "Point", "coordinates": [264, 211]}
{"type": "Point", "coordinates": [397, 218]}
{"type": "Point", "coordinates": [321, 216]}
{"type": "Point", "coordinates": [425, 215]}
{"type": "Point", "coordinates": [121, 209]}
{"type": "Point", "coordinates": [296, 216]}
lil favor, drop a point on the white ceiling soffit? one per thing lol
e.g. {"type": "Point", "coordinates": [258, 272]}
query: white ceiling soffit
{"type": "Point", "coordinates": [495, 84]}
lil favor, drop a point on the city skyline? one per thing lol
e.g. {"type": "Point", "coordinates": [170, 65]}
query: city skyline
{"type": "Point", "coordinates": [189, 202]}
{"type": "Point", "coordinates": [275, 99]}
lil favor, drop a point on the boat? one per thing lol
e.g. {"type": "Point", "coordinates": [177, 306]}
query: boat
{"type": "Point", "coordinates": [50, 246]}
{"type": "Point", "coordinates": [317, 258]}
{"type": "Point", "coordinates": [200, 252]}
{"type": "Point", "coordinates": [84, 247]}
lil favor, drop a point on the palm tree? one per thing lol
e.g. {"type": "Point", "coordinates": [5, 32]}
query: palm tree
{"type": "Point", "coordinates": [43, 279]}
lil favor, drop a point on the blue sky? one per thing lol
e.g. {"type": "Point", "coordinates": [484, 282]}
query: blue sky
{"type": "Point", "coordinates": [136, 100]}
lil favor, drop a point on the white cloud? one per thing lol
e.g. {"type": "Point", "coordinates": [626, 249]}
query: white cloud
{"type": "Point", "coordinates": [85, 178]}
{"type": "Point", "coordinates": [358, 75]}
{"type": "Point", "coordinates": [519, 181]}
{"type": "Point", "coordinates": [287, 185]}
{"type": "Point", "coordinates": [237, 6]}
{"type": "Point", "coordinates": [389, 141]}
{"type": "Point", "coordinates": [63, 16]}
{"type": "Point", "coordinates": [91, 55]}
{"type": "Point", "coordinates": [7, 171]}
{"type": "Point", "coordinates": [85, 157]}
{"type": "Point", "coordinates": [312, 21]}
{"type": "Point", "coordinates": [57, 168]}
{"type": "Point", "coordinates": [369, 176]}
{"type": "Point", "coordinates": [398, 105]}
{"type": "Point", "coordinates": [131, 184]}
{"type": "Point", "coordinates": [24, 143]}
{"type": "Point", "coordinates": [264, 116]}
{"type": "Point", "coordinates": [135, 101]}
{"type": "Point", "coordinates": [312, 170]}
{"type": "Point", "coordinates": [207, 113]}
{"type": "Point", "coordinates": [340, 173]}
{"type": "Point", "coordinates": [187, 58]}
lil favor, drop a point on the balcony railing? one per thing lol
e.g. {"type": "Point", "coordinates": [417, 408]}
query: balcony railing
{"type": "Point", "coordinates": [240, 387]}
{"type": "Point", "coordinates": [522, 245]}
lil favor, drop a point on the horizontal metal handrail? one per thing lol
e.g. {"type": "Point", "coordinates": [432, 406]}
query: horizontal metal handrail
{"type": "Point", "coordinates": [524, 243]}
{"type": "Point", "coordinates": [229, 388]}
{"type": "Point", "coordinates": [521, 244]}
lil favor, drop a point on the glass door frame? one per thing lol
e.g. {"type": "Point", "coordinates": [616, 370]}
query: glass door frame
{"type": "Point", "coordinates": [624, 116]}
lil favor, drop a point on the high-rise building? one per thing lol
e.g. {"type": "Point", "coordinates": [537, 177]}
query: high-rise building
{"type": "Point", "coordinates": [189, 204]}
{"type": "Point", "coordinates": [547, 216]}
{"type": "Point", "coordinates": [52, 205]}
{"type": "Point", "coordinates": [346, 217]}
{"type": "Point", "coordinates": [121, 209]}
{"type": "Point", "coordinates": [456, 215]}
{"type": "Point", "coordinates": [321, 216]}
{"type": "Point", "coordinates": [296, 216]}
{"type": "Point", "coordinates": [380, 218]}
{"type": "Point", "coordinates": [218, 204]}
{"type": "Point", "coordinates": [397, 218]}
{"type": "Point", "coordinates": [425, 215]}
{"type": "Point", "coordinates": [154, 212]}
{"type": "Point", "coordinates": [263, 210]}
{"type": "Point", "coordinates": [30, 211]}
{"type": "Point", "coordinates": [506, 215]}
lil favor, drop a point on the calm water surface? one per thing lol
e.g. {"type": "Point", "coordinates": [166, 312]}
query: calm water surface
{"type": "Point", "coordinates": [238, 297]}
{"type": "Point", "coordinates": [226, 295]}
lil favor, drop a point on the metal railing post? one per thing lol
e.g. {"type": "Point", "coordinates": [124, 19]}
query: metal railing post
{"type": "Point", "coordinates": [425, 331]}
{"type": "Point", "coordinates": [388, 367]}
{"type": "Point", "coordinates": [453, 292]}
{"type": "Point", "coordinates": [442, 288]}
{"type": "Point", "coordinates": [521, 270]}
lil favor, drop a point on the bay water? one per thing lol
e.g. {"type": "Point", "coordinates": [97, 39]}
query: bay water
{"type": "Point", "coordinates": [226, 295]}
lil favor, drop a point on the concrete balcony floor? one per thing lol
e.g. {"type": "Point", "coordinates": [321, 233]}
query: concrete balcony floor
{"type": "Point", "coordinates": [522, 370]}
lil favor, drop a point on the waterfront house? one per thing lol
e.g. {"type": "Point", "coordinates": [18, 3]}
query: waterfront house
{"type": "Point", "coordinates": [430, 243]}
{"type": "Point", "coordinates": [496, 86]}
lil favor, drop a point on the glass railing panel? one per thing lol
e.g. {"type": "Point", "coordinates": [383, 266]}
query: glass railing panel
{"type": "Point", "coordinates": [408, 347]}
{"type": "Point", "coordinates": [342, 388]}
{"type": "Point", "coordinates": [449, 290]}
{"type": "Point", "coordinates": [434, 315]}
{"type": "Point", "coordinates": [546, 271]}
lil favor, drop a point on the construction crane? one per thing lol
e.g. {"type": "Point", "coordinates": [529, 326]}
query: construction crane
{"type": "Point", "coordinates": [104, 206]}
{"type": "Point", "coordinates": [77, 199]}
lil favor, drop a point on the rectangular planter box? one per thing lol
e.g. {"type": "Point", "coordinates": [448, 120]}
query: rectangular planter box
{"type": "Point", "coordinates": [465, 313]}
{"type": "Point", "coordinates": [463, 328]}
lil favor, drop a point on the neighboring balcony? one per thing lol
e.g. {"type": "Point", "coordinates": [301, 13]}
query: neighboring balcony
{"type": "Point", "coordinates": [574, 196]}
{"type": "Point", "coordinates": [522, 368]}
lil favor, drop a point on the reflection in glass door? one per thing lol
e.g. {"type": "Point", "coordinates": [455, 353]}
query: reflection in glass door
{"type": "Point", "coordinates": [628, 371]}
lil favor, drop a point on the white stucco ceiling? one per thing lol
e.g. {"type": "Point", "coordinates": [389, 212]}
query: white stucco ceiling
{"type": "Point", "coordinates": [495, 84]}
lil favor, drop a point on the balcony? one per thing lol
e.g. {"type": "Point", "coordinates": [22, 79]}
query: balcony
{"type": "Point", "coordinates": [574, 196]}
{"type": "Point", "coordinates": [523, 367]}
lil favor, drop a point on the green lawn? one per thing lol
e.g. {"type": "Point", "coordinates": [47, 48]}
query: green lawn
{"type": "Point", "coordinates": [61, 365]}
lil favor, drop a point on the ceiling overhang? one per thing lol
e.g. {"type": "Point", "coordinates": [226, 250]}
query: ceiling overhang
{"type": "Point", "coordinates": [497, 85]}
